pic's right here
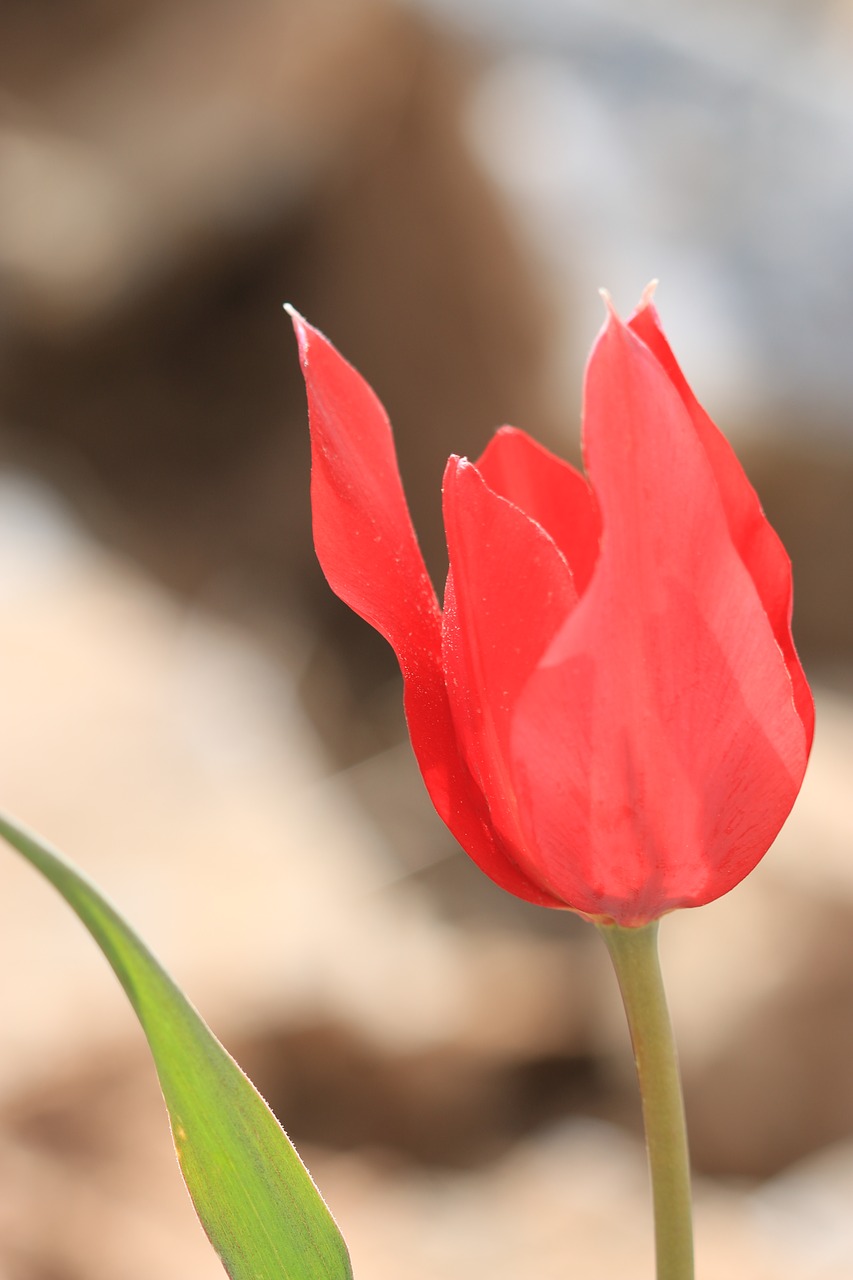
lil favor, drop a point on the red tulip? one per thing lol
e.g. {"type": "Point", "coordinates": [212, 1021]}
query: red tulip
{"type": "Point", "coordinates": [609, 713]}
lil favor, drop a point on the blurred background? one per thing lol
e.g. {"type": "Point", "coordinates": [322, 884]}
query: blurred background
{"type": "Point", "coordinates": [189, 713]}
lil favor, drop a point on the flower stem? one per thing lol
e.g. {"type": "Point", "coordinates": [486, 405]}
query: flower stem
{"type": "Point", "coordinates": [635, 958]}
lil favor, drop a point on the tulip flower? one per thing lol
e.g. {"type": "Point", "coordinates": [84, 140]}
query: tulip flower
{"type": "Point", "coordinates": [608, 712]}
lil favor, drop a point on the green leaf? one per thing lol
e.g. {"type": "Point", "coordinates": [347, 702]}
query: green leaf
{"type": "Point", "coordinates": [255, 1198]}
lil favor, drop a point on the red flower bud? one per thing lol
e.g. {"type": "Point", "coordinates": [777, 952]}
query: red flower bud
{"type": "Point", "coordinates": [609, 713]}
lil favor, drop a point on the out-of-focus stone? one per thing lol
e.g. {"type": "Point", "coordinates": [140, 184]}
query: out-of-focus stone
{"type": "Point", "coordinates": [163, 750]}
{"type": "Point", "coordinates": [173, 125]}
{"type": "Point", "coordinates": [169, 174]}
{"type": "Point", "coordinates": [170, 756]}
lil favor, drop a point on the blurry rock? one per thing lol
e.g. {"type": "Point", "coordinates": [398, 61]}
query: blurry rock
{"type": "Point", "coordinates": [139, 139]}
{"type": "Point", "coordinates": [806, 488]}
{"type": "Point", "coordinates": [91, 1190]}
{"type": "Point", "coordinates": [165, 752]}
{"type": "Point", "coordinates": [807, 1211]}
{"type": "Point", "coordinates": [169, 175]}
{"type": "Point", "coordinates": [776, 1085]}
{"type": "Point", "coordinates": [547, 1207]}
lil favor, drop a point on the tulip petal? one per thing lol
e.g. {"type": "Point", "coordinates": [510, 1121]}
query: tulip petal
{"type": "Point", "coordinates": [509, 591]}
{"type": "Point", "coordinates": [368, 550]}
{"type": "Point", "coordinates": [363, 532]}
{"type": "Point", "coordinates": [759, 545]}
{"type": "Point", "coordinates": [657, 748]}
{"type": "Point", "coordinates": [548, 490]}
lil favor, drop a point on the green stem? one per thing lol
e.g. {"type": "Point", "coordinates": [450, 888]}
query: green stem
{"type": "Point", "coordinates": [635, 958]}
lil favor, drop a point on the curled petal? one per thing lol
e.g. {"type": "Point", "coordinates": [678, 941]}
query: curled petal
{"type": "Point", "coordinates": [363, 532]}
{"type": "Point", "coordinates": [759, 545]}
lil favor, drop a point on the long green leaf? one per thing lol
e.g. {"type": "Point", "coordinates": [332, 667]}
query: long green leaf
{"type": "Point", "coordinates": [255, 1198]}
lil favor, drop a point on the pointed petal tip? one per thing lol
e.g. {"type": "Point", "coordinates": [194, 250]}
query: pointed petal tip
{"type": "Point", "coordinates": [301, 328]}
{"type": "Point", "coordinates": [646, 302]}
{"type": "Point", "coordinates": [298, 320]}
{"type": "Point", "coordinates": [306, 333]}
{"type": "Point", "coordinates": [613, 322]}
{"type": "Point", "coordinates": [454, 467]}
{"type": "Point", "coordinates": [647, 297]}
{"type": "Point", "coordinates": [606, 298]}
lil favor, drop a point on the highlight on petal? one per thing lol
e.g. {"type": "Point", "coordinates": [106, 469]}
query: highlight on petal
{"type": "Point", "coordinates": [758, 544]}
{"type": "Point", "coordinates": [657, 747]}
{"type": "Point", "coordinates": [548, 490]}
